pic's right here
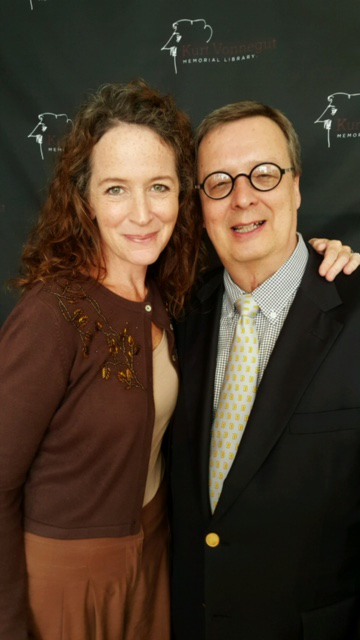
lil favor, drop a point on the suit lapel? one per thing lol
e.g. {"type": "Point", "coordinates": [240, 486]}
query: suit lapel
{"type": "Point", "coordinates": [308, 333]}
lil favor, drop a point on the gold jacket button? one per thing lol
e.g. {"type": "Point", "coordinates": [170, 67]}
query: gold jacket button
{"type": "Point", "coordinates": [212, 540]}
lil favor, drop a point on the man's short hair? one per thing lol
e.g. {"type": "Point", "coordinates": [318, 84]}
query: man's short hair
{"type": "Point", "coordinates": [249, 109]}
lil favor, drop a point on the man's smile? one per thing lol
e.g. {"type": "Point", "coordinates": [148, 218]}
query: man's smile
{"type": "Point", "coordinates": [246, 228]}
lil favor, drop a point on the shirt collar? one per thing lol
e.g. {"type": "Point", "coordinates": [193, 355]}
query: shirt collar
{"type": "Point", "coordinates": [273, 294]}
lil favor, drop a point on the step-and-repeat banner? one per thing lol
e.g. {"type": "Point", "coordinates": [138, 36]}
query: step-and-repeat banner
{"type": "Point", "coordinates": [302, 57]}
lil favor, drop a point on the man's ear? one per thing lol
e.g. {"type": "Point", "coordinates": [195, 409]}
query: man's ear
{"type": "Point", "coordinates": [297, 191]}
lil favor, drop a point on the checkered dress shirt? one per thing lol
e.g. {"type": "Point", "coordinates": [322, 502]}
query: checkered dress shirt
{"type": "Point", "coordinates": [274, 298]}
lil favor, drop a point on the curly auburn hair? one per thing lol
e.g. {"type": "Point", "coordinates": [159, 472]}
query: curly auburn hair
{"type": "Point", "coordinates": [65, 242]}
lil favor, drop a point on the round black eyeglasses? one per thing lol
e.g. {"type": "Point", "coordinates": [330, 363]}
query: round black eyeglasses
{"type": "Point", "coordinates": [264, 177]}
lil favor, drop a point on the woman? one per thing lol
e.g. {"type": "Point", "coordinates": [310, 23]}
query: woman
{"type": "Point", "coordinates": [89, 380]}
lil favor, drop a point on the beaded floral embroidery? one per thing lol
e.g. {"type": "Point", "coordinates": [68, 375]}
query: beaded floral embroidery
{"type": "Point", "coordinates": [121, 346]}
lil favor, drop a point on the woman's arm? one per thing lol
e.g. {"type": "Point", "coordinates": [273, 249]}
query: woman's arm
{"type": "Point", "coordinates": [32, 383]}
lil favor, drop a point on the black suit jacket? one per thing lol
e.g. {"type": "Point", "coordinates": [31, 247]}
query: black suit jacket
{"type": "Point", "coordinates": [288, 563]}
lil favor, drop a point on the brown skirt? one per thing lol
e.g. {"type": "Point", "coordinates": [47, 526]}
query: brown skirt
{"type": "Point", "coordinates": [102, 588]}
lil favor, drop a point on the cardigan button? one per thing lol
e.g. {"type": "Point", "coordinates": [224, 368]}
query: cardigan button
{"type": "Point", "coordinates": [212, 540]}
{"type": "Point", "coordinates": [173, 358]}
{"type": "Point", "coordinates": [148, 307]}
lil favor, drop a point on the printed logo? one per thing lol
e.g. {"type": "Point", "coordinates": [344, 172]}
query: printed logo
{"type": "Point", "coordinates": [191, 42]}
{"type": "Point", "coordinates": [49, 130]}
{"type": "Point", "coordinates": [188, 31]}
{"type": "Point", "coordinates": [341, 116]}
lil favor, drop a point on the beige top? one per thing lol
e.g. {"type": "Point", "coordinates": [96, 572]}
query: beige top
{"type": "Point", "coordinates": [165, 384]}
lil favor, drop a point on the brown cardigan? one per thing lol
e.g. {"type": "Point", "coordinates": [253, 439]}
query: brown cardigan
{"type": "Point", "coordinates": [76, 420]}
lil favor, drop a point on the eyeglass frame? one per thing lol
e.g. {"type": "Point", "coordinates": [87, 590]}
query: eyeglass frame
{"type": "Point", "coordinates": [246, 175]}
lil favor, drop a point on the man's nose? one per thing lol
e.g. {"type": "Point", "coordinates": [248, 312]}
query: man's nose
{"type": "Point", "coordinates": [243, 193]}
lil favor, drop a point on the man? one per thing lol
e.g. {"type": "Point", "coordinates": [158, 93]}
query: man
{"type": "Point", "coordinates": [273, 551]}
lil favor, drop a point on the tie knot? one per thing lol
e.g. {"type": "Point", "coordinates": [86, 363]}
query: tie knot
{"type": "Point", "coordinates": [247, 306]}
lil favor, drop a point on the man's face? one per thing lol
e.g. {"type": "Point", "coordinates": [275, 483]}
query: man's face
{"type": "Point", "coordinates": [249, 228]}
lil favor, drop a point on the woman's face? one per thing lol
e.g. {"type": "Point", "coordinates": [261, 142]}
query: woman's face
{"type": "Point", "coordinates": [133, 196]}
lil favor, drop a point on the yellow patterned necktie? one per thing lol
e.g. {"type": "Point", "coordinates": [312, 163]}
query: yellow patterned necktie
{"type": "Point", "coordinates": [236, 397]}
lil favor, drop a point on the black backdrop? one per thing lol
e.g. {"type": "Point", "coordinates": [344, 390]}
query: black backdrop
{"type": "Point", "coordinates": [302, 57]}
